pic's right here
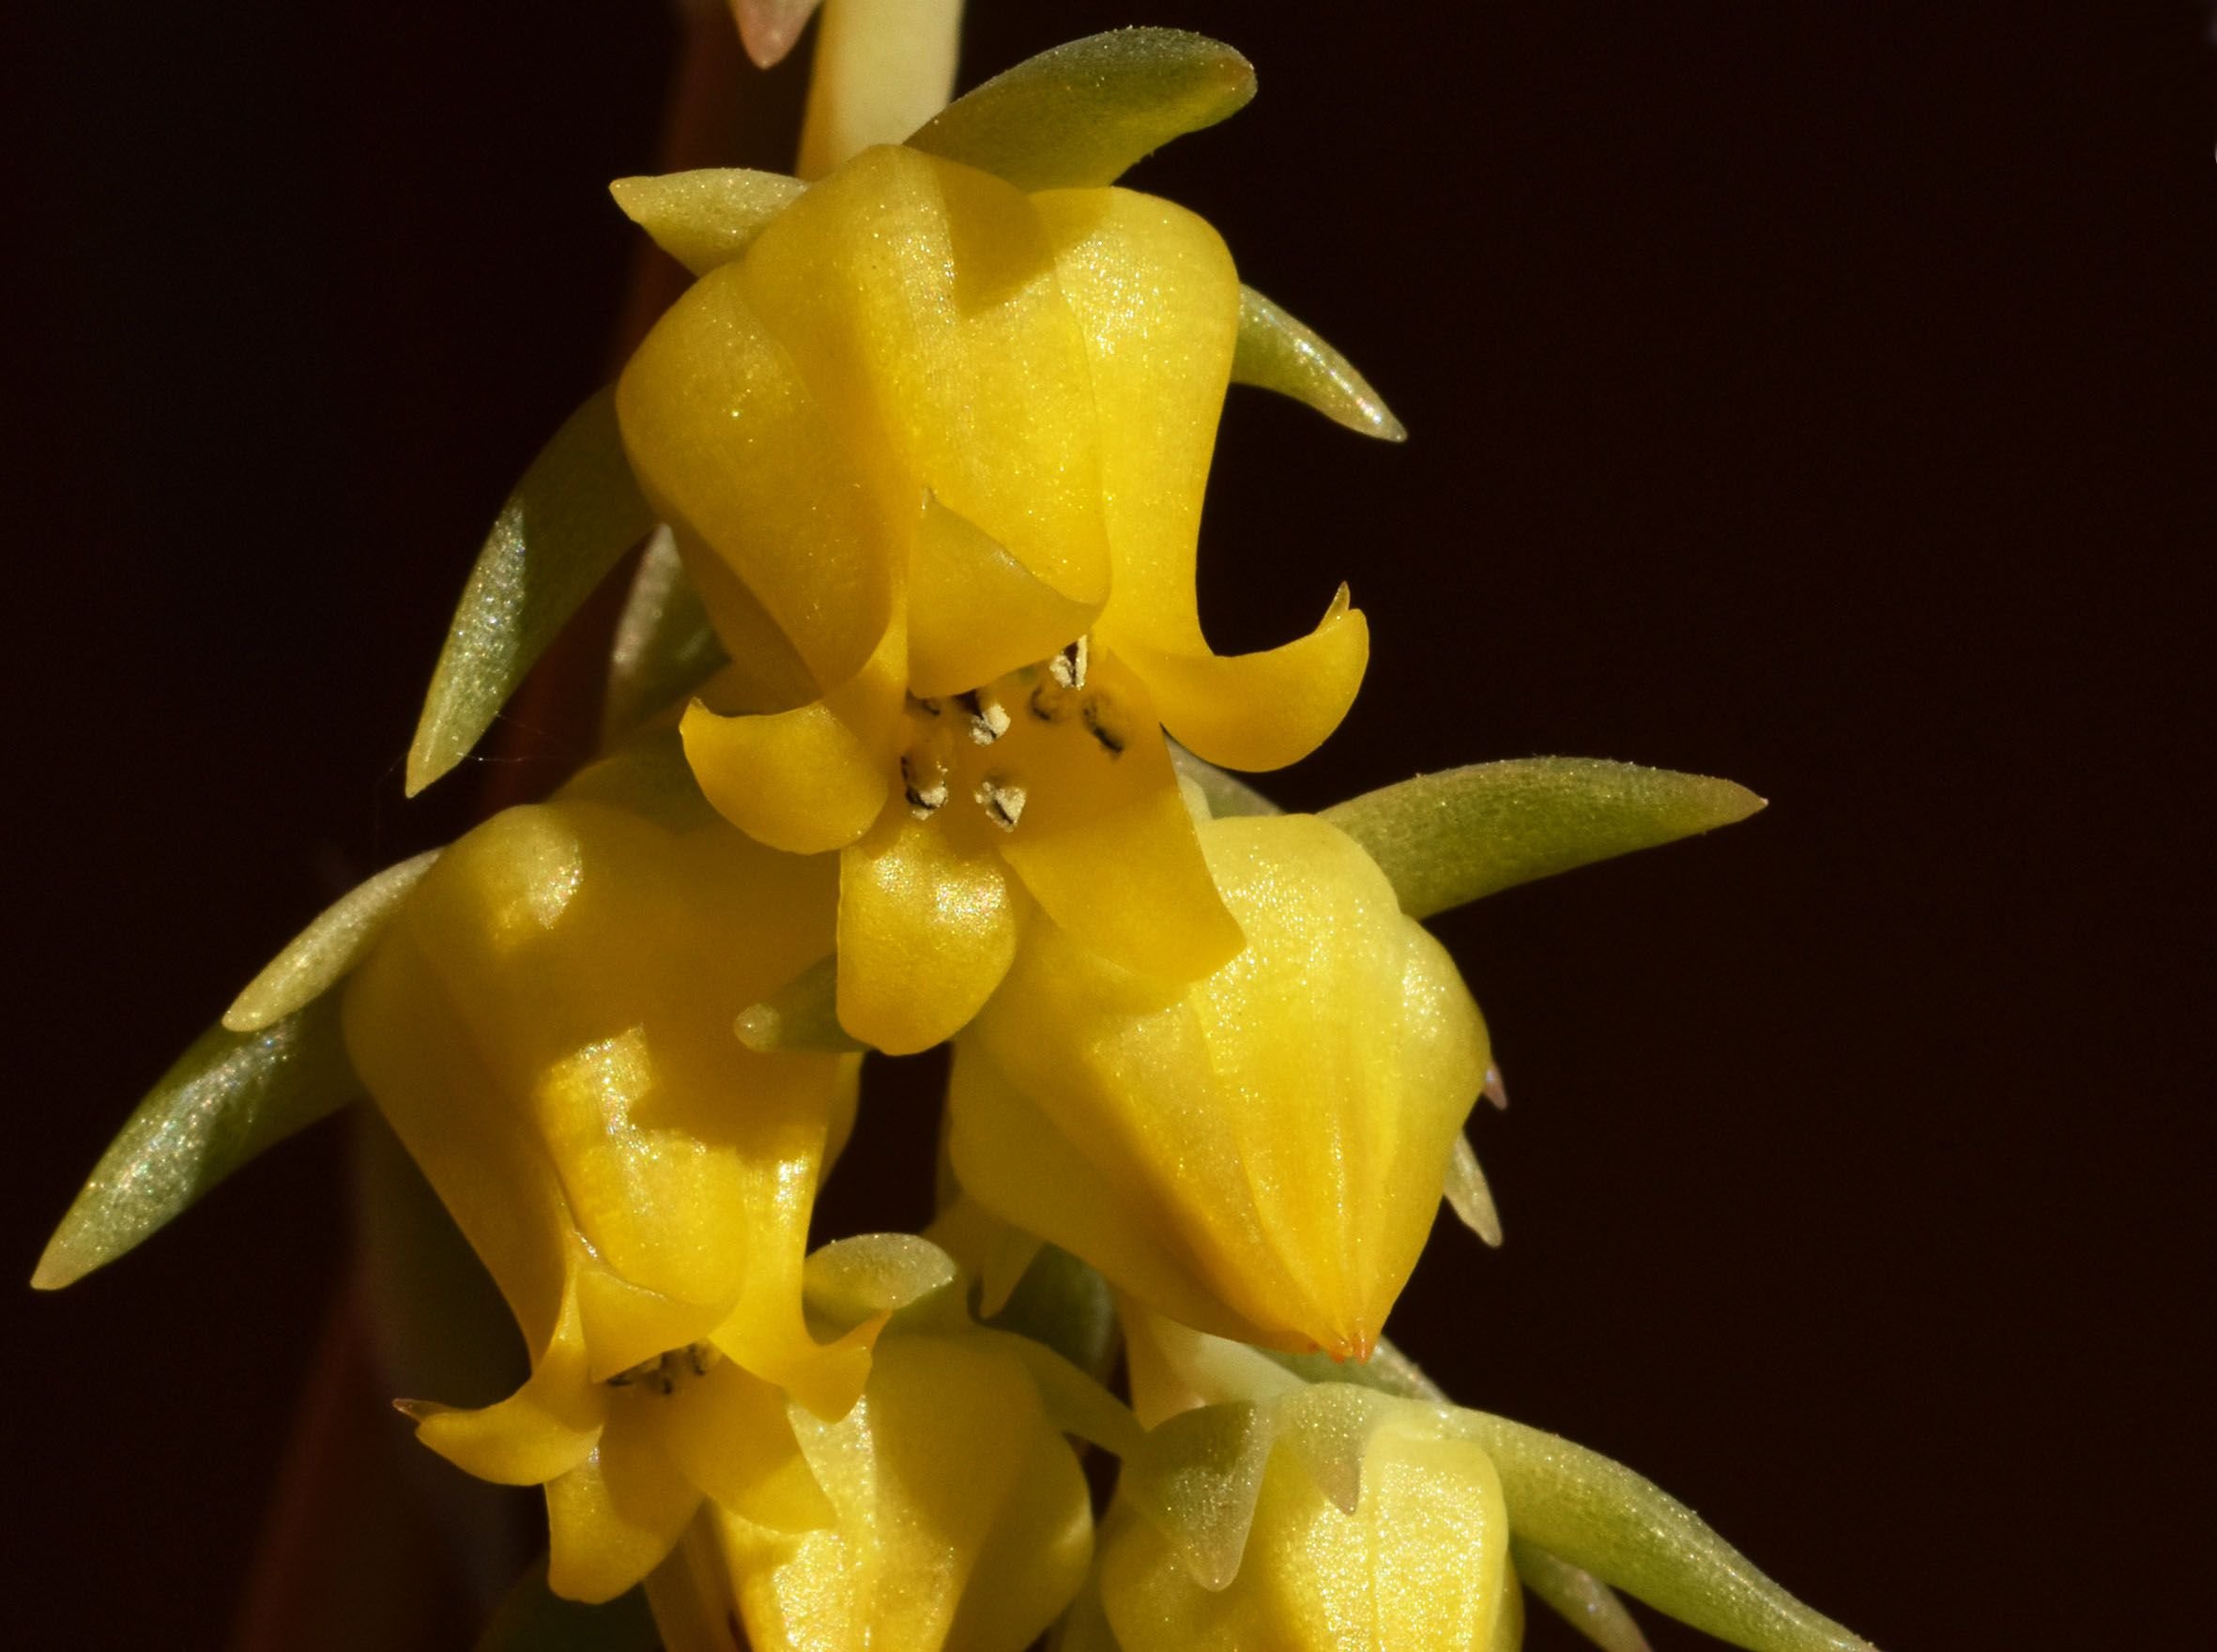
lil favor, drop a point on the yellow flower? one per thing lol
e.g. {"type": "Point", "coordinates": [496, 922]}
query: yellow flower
{"type": "Point", "coordinates": [1414, 1560]}
{"type": "Point", "coordinates": [960, 1519]}
{"type": "Point", "coordinates": [1259, 1154]}
{"type": "Point", "coordinates": [933, 450]}
{"type": "Point", "coordinates": [548, 1024]}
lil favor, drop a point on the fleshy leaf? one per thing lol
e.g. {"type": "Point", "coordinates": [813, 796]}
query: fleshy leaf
{"type": "Point", "coordinates": [1602, 1517]}
{"type": "Point", "coordinates": [323, 952]}
{"type": "Point", "coordinates": [1064, 1305]}
{"type": "Point", "coordinates": [1226, 793]}
{"type": "Point", "coordinates": [1081, 113]}
{"type": "Point", "coordinates": [1280, 352]}
{"type": "Point", "coordinates": [1447, 838]}
{"type": "Point", "coordinates": [229, 1096]}
{"type": "Point", "coordinates": [705, 218]}
{"type": "Point", "coordinates": [531, 1617]}
{"type": "Point", "coordinates": [801, 1015]}
{"type": "Point", "coordinates": [1581, 1599]}
{"type": "Point", "coordinates": [1469, 1197]}
{"type": "Point", "coordinates": [664, 646]}
{"type": "Point", "coordinates": [570, 520]}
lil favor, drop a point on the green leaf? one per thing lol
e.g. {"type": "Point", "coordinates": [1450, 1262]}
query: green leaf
{"type": "Point", "coordinates": [1063, 1303]}
{"type": "Point", "coordinates": [1080, 114]}
{"type": "Point", "coordinates": [570, 519]}
{"type": "Point", "coordinates": [801, 1015]}
{"type": "Point", "coordinates": [228, 1097]}
{"type": "Point", "coordinates": [324, 951]}
{"type": "Point", "coordinates": [706, 217]}
{"type": "Point", "coordinates": [1582, 1600]}
{"type": "Point", "coordinates": [533, 1618]}
{"type": "Point", "coordinates": [664, 646]}
{"type": "Point", "coordinates": [1278, 352]}
{"type": "Point", "coordinates": [1450, 837]}
{"type": "Point", "coordinates": [1603, 1519]}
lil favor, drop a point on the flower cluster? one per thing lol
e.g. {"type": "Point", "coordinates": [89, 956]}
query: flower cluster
{"type": "Point", "coordinates": [915, 736]}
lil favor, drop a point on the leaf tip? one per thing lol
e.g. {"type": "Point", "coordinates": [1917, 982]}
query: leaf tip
{"type": "Point", "coordinates": [59, 1264]}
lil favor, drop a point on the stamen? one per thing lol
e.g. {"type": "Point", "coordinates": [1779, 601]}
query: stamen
{"type": "Point", "coordinates": [1049, 703]}
{"type": "Point", "coordinates": [988, 717]}
{"type": "Point", "coordinates": [1095, 724]}
{"type": "Point", "coordinates": [662, 1373]}
{"type": "Point", "coordinates": [924, 708]}
{"type": "Point", "coordinates": [1002, 801]}
{"type": "Point", "coordinates": [927, 795]}
{"type": "Point", "coordinates": [1068, 667]}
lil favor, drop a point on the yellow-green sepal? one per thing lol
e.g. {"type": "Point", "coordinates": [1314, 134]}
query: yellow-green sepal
{"type": "Point", "coordinates": [1447, 838]}
{"type": "Point", "coordinates": [664, 646]}
{"type": "Point", "coordinates": [531, 1617]}
{"type": "Point", "coordinates": [1080, 114]}
{"type": "Point", "coordinates": [709, 217]}
{"type": "Point", "coordinates": [228, 1098]}
{"type": "Point", "coordinates": [569, 522]}
{"type": "Point", "coordinates": [321, 955]}
{"type": "Point", "coordinates": [1277, 351]}
{"type": "Point", "coordinates": [1603, 1519]}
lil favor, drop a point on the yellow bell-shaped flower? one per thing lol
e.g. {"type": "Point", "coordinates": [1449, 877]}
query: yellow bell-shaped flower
{"type": "Point", "coordinates": [960, 1518]}
{"type": "Point", "coordinates": [933, 450]}
{"type": "Point", "coordinates": [1258, 1154]}
{"type": "Point", "coordinates": [1417, 1560]}
{"type": "Point", "coordinates": [547, 1025]}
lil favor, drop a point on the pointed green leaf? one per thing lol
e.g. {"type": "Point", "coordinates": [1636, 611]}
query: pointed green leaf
{"type": "Point", "coordinates": [570, 519]}
{"type": "Point", "coordinates": [531, 1617]}
{"type": "Point", "coordinates": [1602, 1517]}
{"type": "Point", "coordinates": [1227, 795]}
{"type": "Point", "coordinates": [706, 217]}
{"type": "Point", "coordinates": [1080, 114]}
{"type": "Point", "coordinates": [803, 1015]}
{"type": "Point", "coordinates": [1450, 837]}
{"type": "Point", "coordinates": [1278, 352]}
{"type": "Point", "coordinates": [1064, 1305]}
{"type": "Point", "coordinates": [1582, 1600]}
{"type": "Point", "coordinates": [228, 1097]}
{"type": "Point", "coordinates": [664, 646]}
{"type": "Point", "coordinates": [1469, 1196]}
{"type": "Point", "coordinates": [324, 951]}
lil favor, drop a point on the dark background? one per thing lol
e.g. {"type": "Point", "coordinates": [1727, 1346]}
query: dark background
{"type": "Point", "coordinates": [1818, 395]}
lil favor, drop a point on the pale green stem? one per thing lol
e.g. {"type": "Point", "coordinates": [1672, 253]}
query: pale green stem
{"type": "Point", "coordinates": [882, 69]}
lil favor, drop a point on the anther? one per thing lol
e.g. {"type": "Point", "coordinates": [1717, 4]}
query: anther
{"type": "Point", "coordinates": [1068, 667]}
{"type": "Point", "coordinates": [1049, 703]}
{"type": "Point", "coordinates": [988, 717]}
{"type": "Point", "coordinates": [1111, 741]}
{"type": "Point", "coordinates": [1002, 801]}
{"type": "Point", "coordinates": [924, 708]}
{"type": "Point", "coordinates": [925, 796]}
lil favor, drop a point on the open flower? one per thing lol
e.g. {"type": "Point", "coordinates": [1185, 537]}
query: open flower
{"type": "Point", "coordinates": [548, 1024]}
{"type": "Point", "coordinates": [1258, 1153]}
{"type": "Point", "coordinates": [933, 449]}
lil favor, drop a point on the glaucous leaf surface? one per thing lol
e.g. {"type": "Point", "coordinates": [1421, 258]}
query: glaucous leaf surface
{"type": "Point", "coordinates": [570, 519]}
{"type": "Point", "coordinates": [1581, 1599]}
{"type": "Point", "coordinates": [1083, 113]}
{"type": "Point", "coordinates": [664, 646]}
{"type": "Point", "coordinates": [1451, 838]}
{"type": "Point", "coordinates": [228, 1097]}
{"type": "Point", "coordinates": [1280, 352]}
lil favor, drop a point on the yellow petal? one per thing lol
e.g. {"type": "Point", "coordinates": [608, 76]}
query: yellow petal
{"type": "Point", "coordinates": [544, 1428]}
{"type": "Point", "coordinates": [728, 1433]}
{"type": "Point", "coordinates": [1105, 843]}
{"type": "Point", "coordinates": [918, 300]}
{"type": "Point", "coordinates": [801, 781]}
{"type": "Point", "coordinates": [974, 611]}
{"type": "Point", "coordinates": [736, 455]}
{"type": "Point", "coordinates": [1157, 299]}
{"type": "Point", "coordinates": [1261, 710]}
{"type": "Point", "coordinates": [612, 1519]}
{"type": "Point", "coordinates": [708, 217]}
{"type": "Point", "coordinates": [927, 930]}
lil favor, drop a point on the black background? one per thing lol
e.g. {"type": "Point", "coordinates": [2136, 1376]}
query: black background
{"type": "Point", "coordinates": [1815, 395]}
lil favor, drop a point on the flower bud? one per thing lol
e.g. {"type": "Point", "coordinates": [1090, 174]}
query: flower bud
{"type": "Point", "coordinates": [1368, 1529]}
{"type": "Point", "coordinates": [1258, 1154]}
